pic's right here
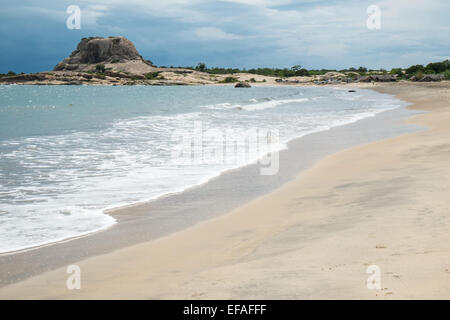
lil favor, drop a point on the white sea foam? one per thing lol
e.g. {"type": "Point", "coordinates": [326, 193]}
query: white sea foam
{"type": "Point", "coordinates": [57, 186]}
{"type": "Point", "coordinates": [256, 105]}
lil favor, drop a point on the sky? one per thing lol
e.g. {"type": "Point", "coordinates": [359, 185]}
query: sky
{"type": "Point", "coordinates": [315, 34]}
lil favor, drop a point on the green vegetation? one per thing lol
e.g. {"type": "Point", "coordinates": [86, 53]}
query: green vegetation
{"type": "Point", "coordinates": [418, 75]}
{"type": "Point", "coordinates": [397, 71]}
{"type": "Point", "coordinates": [9, 74]}
{"type": "Point", "coordinates": [100, 76]}
{"type": "Point", "coordinates": [353, 73]}
{"type": "Point", "coordinates": [100, 68]}
{"type": "Point", "coordinates": [320, 72]}
{"type": "Point", "coordinates": [438, 67]}
{"type": "Point", "coordinates": [419, 70]}
{"type": "Point", "coordinates": [447, 74]}
{"type": "Point", "coordinates": [362, 69]}
{"type": "Point", "coordinates": [183, 73]}
{"type": "Point", "coordinates": [201, 67]}
{"type": "Point", "coordinates": [153, 76]}
{"type": "Point", "coordinates": [229, 80]}
{"type": "Point", "coordinates": [414, 69]}
{"type": "Point", "coordinates": [295, 71]}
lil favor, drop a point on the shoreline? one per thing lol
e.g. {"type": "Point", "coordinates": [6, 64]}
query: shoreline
{"type": "Point", "coordinates": [235, 256]}
{"type": "Point", "coordinates": [139, 212]}
{"type": "Point", "coordinates": [115, 210]}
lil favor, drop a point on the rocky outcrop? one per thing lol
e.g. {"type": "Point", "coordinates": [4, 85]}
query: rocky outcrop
{"type": "Point", "coordinates": [429, 78]}
{"type": "Point", "coordinates": [115, 51]}
{"type": "Point", "coordinates": [21, 78]}
{"type": "Point", "coordinates": [107, 78]}
{"type": "Point", "coordinates": [378, 78]}
{"type": "Point", "coordinates": [242, 85]}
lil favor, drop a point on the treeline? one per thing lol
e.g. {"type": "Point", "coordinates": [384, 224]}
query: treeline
{"type": "Point", "coordinates": [9, 74]}
{"type": "Point", "coordinates": [417, 70]}
{"type": "Point", "coordinates": [274, 72]}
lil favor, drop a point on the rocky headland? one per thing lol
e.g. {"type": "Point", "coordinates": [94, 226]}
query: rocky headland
{"type": "Point", "coordinates": [109, 61]}
{"type": "Point", "coordinates": [116, 61]}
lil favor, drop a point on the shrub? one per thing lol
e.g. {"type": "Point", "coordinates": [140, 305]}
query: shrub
{"type": "Point", "coordinates": [438, 67]}
{"type": "Point", "coordinates": [418, 75]}
{"type": "Point", "coordinates": [362, 69]}
{"type": "Point", "coordinates": [201, 67]}
{"type": "Point", "coordinates": [414, 69]}
{"type": "Point", "coordinates": [398, 72]}
{"type": "Point", "coordinates": [100, 68]}
{"type": "Point", "coordinates": [447, 75]}
{"type": "Point", "coordinates": [229, 80]}
{"type": "Point", "coordinates": [353, 75]}
{"type": "Point", "coordinates": [152, 75]}
{"type": "Point", "coordinates": [299, 71]}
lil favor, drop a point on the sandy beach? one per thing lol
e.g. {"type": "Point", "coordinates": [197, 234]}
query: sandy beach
{"type": "Point", "coordinates": [384, 203]}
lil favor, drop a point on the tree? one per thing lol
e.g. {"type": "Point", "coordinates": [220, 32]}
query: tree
{"type": "Point", "coordinates": [438, 67]}
{"type": "Point", "coordinates": [414, 69]}
{"type": "Point", "coordinates": [397, 71]}
{"type": "Point", "coordinates": [201, 67]}
{"type": "Point", "coordinates": [362, 69]}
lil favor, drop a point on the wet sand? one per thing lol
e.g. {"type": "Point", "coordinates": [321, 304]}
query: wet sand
{"type": "Point", "coordinates": [383, 203]}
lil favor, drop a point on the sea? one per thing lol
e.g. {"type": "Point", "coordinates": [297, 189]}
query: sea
{"type": "Point", "coordinates": [68, 154]}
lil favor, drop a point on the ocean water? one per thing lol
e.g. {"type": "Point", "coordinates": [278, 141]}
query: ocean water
{"type": "Point", "coordinates": [68, 153]}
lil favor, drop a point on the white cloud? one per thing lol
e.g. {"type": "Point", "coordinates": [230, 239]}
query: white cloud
{"type": "Point", "coordinates": [89, 13]}
{"type": "Point", "coordinates": [210, 33]}
{"type": "Point", "coordinates": [283, 31]}
{"type": "Point", "coordinates": [261, 3]}
{"type": "Point", "coordinates": [181, 10]}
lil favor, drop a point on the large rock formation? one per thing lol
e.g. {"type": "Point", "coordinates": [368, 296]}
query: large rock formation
{"type": "Point", "coordinates": [118, 53]}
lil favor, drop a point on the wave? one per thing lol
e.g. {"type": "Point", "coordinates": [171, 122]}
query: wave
{"type": "Point", "coordinates": [62, 184]}
{"type": "Point", "coordinates": [261, 104]}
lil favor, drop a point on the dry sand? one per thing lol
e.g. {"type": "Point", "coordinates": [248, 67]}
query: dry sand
{"type": "Point", "coordinates": [386, 204]}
